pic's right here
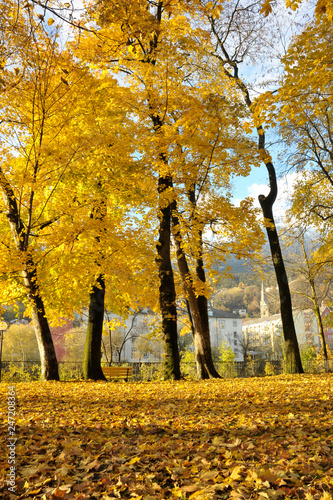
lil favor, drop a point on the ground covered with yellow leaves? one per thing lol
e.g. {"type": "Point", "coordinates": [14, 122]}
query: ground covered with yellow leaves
{"type": "Point", "coordinates": [260, 438]}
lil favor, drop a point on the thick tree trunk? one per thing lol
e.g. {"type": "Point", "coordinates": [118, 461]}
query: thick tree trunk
{"type": "Point", "coordinates": [293, 358]}
{"type": "Point", "coordinates": [92, 349]}
{"type": "Point", "coordinates": [198, 307]}
{"type": "Point", "coordinates": [92, 354]}
{"type": "Point", "coordinates": [167, 291]}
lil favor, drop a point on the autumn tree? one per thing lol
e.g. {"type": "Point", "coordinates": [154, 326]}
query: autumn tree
{"type": "Point", "coordinates": [20, 344]}
{"type": "Point", "coordinates": [132, 33]}
{"type": "Point", "coordinates": [314, 277]}
{"type": "Point", "coordinates": [50, 154]}
{"type": "Point", "coordinates": [173, 111]}
{"type": "Point", "coordinates": [208, 156]}
{"type": "Point", "coordinates": [302, 109]}
{"type": "Point", "coordinates": [27, 80]}
{"type": "Point", "coordinates": [231, 45]}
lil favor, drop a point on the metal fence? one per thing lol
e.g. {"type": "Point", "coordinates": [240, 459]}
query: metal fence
{"type": "Point", "coordinates": [146, 371]}
{"type": "Point", "coordinates": [72, 370]}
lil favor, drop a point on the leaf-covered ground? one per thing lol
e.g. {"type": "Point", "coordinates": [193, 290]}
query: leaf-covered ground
{"type": "Point", "coordinates": [256, 438]}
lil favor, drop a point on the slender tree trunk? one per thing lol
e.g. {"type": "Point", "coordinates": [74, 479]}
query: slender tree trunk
{"type": "Point", "coordinates": [198, 307]}
{"type": "Point", "coordinates": [92, 349]}
{"type": "Point", "coordinates": [231, 70]}
{"type": "Point", "coordinates": [321, 332]}
{"type": "Point", "coordinates": [49, 364]}
{"type": "Point", "coordinates": [314, 299]}
{"type": "Point", "coordinates": [293, 358]}
{"type": "Point", "coordinates": [319, 320]}
{"type": "Point", "coordinates": [111, 350]}
{"type": "Point", "coordinates": [105, 353]}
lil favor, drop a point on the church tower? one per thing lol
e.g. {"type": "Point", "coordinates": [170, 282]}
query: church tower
{"type": "Point", "coordinates": [264, 311]}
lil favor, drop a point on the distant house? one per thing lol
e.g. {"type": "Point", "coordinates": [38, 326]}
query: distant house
{"type": "Point", "coordinates": [58, 335]}
{"type": "Point", "coordinates": [241, 312]}
{"type": "Point", "coordinates": [226, 327]}
{"type": "Point", "coordinates": [134, 342]}
{"type": "Point", "coordinates": [265, 334]}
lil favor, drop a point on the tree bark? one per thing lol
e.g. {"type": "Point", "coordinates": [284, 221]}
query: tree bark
{"type": "Point", "coordinates": [198, 307]}
{"type": "Point", "coordinates": [167, 291]}
{"type": "Point", "coordinates": [319, 320]}
{"type": "Point", "coordinates": [92, 348]}
{"type": "Point", "coordinates": [92, 354]}
{"type": "Point", "coordinates": [49, 364]}
{"type": "Point", "coordinates": [48, 359]}
{"type": "Point", "coordinates": [293, 358]}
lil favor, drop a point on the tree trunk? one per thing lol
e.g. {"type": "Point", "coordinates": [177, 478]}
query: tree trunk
{"type": "Point", "coordinates": [319, 321]}
{"type": "Point", "coordinates": [49, 364]}
{"type": "Point", "coordinates": [314, 299]}
{"type": "Point", "coordinates": [198, 307]}
{"type": "Point", "coordinates": [167, 291]}
{"type": "Point", "coordinates": [48, 359]}
{"type": "Point", "coordinates": [293, 358]}
{"type": "Point", "coordinates": [92, 354]}
{"type": "Point", "coordinates": [92, 349]}
{"type": "Point", "coordinates": [231, 70]}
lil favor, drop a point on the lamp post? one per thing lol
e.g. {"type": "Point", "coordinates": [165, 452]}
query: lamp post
{"type": "Point", "coordinates": [3, 327]}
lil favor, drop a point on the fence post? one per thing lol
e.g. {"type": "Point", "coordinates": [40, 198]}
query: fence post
{"type": "Point", "coordinates": [3, 327]}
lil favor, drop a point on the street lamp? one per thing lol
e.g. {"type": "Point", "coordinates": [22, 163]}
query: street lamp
{"type": "Point", "coordinates": [3, 327]}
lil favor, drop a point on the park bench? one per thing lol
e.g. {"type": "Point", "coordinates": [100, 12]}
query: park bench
{"type": "Point", "coordinates": [118, 372]}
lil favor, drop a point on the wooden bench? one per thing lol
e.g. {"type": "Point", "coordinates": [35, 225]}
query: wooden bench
{"type": "Point", "coordinates": [118, 372]}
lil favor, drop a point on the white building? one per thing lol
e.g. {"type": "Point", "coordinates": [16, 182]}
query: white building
{"type": "Point", "coordinates": [133, 338]}
{"type": "Point", "coordinates": [226, 328]}
{"type": "Point", "coordinates": [265, 334]}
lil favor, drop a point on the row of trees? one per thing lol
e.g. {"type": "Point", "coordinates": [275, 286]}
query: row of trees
{"type": "Point", "coordinates": [118, 152]}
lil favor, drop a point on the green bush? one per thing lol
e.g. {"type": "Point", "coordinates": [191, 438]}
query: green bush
{"type": "Point", "coordinates": [269, 369]}
{"type": "Point", "coordinates": [188, 365]}
{"type": "Point", "coordinates": [70, 371]}
{"type": "Point", "coordinates": [21, 373]}
{"type": "Point", "coordinates": [151, 371]}
{"type": "Point", "coordinates": [227, 361]}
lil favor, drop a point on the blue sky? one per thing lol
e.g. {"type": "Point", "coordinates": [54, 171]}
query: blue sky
{"type": "Point", "coordinates": [254, 184]}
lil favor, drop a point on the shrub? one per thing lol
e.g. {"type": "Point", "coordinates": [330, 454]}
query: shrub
{"type": "Point", "coordinates": [15, 372]}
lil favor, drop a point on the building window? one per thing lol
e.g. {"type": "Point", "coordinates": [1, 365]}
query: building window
{"type": "Point", "coordinates": [133, 353]}
{"type": "Point", "coordinates": [234, 323]}
{"type": "Point", "coordinates": [146, 355]}
{"type": "Point", "coordinates": [221, 323]}
{"type": "Point", "coordinates": [235, 335]}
